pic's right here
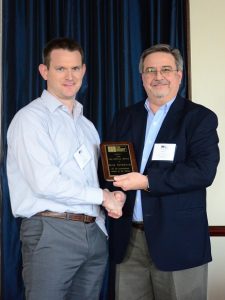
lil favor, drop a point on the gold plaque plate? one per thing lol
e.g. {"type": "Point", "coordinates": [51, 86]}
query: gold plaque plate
{"type": "Point", "coordinates": [117, 158]}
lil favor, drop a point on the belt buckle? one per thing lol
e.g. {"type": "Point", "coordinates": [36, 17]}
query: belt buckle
{"type": "Point", "coordinates": [67, 216]}
{"type": "Point", "coordinates": [86, 219]}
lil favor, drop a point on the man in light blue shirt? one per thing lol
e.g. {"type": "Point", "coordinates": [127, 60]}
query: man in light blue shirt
{"type": "Point", "coordinates": [154, 122]}
{"type": "Point", "coordinates": [52, 161]}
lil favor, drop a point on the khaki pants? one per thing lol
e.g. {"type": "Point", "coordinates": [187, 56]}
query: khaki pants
{"type": "Point", "coordinates": [137, 278]}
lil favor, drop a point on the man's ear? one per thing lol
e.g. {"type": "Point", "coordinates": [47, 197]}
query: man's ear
{"type": "Point", "coordinates": [43, 71]}
{"type": "Point", "coordinates": [84, 69]}
{"type": "Point", "coordinates": [180, 74]}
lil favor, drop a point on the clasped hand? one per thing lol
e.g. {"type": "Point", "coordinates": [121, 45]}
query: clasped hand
{"type": "Point", "coordinates": [113, 203]}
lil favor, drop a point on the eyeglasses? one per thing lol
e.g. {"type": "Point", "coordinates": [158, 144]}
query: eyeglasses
{"type": "Point", "coordinates": [165, 71]}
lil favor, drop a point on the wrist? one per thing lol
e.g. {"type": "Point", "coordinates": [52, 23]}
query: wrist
{"type": "Point", "coordinates": [104, 197]}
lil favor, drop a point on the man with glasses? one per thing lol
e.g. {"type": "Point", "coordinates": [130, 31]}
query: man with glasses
{"type": "Point", "coordinates": [161, 245]}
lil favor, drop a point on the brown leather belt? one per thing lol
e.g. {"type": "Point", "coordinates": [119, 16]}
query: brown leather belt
{"type": "Point", "coordinates": [138, 225]}
{"type": "Point", "coordinates": [67, 216]}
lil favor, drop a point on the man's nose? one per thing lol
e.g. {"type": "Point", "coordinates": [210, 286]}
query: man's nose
{"type": "Point", "coordinates": [69, 74]}
{"type": "Point", "coordinates": [158, 74]}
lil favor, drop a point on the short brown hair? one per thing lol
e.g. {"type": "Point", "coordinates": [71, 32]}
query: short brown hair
{"type": "Point", "coordinates": [61, 43]}
{"type": "Point", "coordinates": [162, 48]}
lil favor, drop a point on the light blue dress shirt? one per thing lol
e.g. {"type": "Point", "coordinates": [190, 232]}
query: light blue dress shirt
{"type": "Point", "coordinates": [154, 123]}
{"type": "Point", "coordinates": [43, 173]}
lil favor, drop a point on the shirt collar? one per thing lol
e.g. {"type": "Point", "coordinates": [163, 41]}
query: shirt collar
{"type": "Point", "coordinates": [52, 103]}
{"type": "Point", "coordinates": [164, 107]}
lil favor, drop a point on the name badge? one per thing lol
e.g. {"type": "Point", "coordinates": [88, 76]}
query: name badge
{"type": "Point", "coordinates": [82, 156]}
{"type": "Point", "coordinates": [164, 152]}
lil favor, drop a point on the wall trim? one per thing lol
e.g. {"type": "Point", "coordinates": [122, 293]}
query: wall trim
{"type": "Point", "coordinates": [217, 230]}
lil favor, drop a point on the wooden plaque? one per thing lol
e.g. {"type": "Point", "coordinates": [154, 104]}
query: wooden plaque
{"type": "Point", "coordinates": [117, 158]}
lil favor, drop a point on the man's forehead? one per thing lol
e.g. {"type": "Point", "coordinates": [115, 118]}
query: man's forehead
{"type": "Point", "coordinates": [160, 58]}
{"type": "Point", "coordinates": [59, 56]}
{"type": "Point", "coordinates": [63, 54]}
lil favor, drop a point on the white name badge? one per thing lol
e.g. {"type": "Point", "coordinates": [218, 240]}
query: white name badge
{"type": "Point", "coordinates": [82, 156]}
{"type": "Point", "coordinates": [164, 152]}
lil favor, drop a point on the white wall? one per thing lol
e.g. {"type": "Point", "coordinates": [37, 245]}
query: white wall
{"type": "Point", "coordinates": [207, 30]}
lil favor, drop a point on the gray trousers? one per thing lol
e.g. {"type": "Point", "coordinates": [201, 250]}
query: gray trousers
{"type": "Point", "coordinates": [62, 259]}
{"type": "Point", "coordinates": [137, 278]}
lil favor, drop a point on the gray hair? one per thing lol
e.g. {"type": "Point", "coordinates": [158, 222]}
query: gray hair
{"type": "Point", "coordinates": [162, 48]}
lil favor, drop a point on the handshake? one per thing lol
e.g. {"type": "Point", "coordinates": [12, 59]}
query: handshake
{"type": "Point", "coordinates": [113, 203]}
